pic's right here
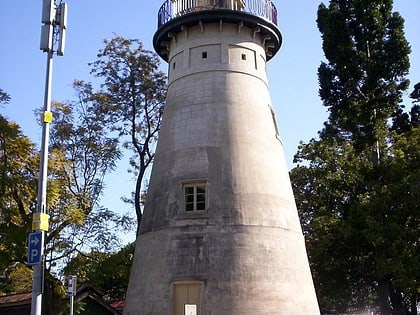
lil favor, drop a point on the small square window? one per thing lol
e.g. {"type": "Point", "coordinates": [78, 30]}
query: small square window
{"type": "Point", "coordinates": [243, 56]}
{"type": "Point", "coordinates": [204, 54]}
{"type": "Point", "coordinates": [195, 197]}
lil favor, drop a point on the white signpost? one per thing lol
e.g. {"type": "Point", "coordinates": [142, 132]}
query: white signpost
{"type": "Point", "coordinates": [71, 291]}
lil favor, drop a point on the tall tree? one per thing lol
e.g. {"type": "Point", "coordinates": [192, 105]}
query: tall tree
{"type": "Point", "coordinates": [368, 59]}
{"type": "Point", "coordinates": [132, 101]}
{"type": "Point", "coordinates": [82, 153]}
{"type": "Point", "coordinates": [356, 186]}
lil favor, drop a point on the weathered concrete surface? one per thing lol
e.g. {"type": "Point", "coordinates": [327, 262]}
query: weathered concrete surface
{"type": "Point", "coordinates": [247, 249]}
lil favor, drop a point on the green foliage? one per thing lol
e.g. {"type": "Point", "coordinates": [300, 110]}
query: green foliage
{"type": "Point", "coordinates": [18, 184]}
{"type": "Point", "coordinates": [361, 222]}
{"type": "Point", "coordinates": [109, 272]}
{"type": "Point", "coordinates": [16, 278]}
{"type": "Point", "coordinates": [363, 81]}
{"type": "Point", "coordinates": [132, 100]}
{"type": "Point", "coordinates": [81, 154]}
{"type": "Point", "coordinates": [415, 95]}
{"type": "Point", "coordinates": [4, 97]}
{"type": "Point", "coordinates": [357, 186]}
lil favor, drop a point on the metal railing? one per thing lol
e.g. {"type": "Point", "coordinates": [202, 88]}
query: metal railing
{"type": "Point", "coordinates": [175, 8]}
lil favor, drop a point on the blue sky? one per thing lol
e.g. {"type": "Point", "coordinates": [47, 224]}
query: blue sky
{"type": "Point", "coordinates": [292, 72]}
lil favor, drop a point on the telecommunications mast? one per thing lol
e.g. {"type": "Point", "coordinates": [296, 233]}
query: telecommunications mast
{"type": "Point", "coordinates": [53, 31]}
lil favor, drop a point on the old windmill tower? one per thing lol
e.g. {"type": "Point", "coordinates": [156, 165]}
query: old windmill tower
{"type": "Point", "coordinates": [220, 233]}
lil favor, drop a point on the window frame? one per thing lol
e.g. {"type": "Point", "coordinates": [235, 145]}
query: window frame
{"type": "Point", "coordinates": [195, 202]}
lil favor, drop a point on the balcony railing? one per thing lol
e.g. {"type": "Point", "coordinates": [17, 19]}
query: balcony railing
{"type": "Point", "coordinates": [175, 8]}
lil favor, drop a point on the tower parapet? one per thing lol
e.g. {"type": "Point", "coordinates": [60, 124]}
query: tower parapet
{"type": "Point", "coordinates": [260, 15]}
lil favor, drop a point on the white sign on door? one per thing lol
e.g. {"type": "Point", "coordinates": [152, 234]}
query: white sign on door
{"type": "Point", "coordinates": [190, 309]}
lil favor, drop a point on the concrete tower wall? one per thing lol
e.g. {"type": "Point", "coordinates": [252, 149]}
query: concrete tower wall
{"type": "Point", "coordinates": [245, 252]}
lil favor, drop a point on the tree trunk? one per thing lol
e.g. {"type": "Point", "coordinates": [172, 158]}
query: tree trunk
{"type": "Point", "coordinates": [137, 198]}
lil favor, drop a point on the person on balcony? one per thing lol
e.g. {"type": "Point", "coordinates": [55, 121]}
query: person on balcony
{"type": "Point", "coordinates": [230, 4]}
{"type": "Point", "coordinates": [240, 4]}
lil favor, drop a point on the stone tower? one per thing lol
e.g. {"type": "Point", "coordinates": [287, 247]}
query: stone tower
{"type": "Point", "coordinates": [220, 233]}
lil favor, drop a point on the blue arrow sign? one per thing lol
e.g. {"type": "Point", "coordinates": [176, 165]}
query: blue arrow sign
{"type": "Point", "coordinates": [34, 248]}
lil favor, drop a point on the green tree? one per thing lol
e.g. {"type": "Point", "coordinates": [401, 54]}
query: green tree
{"type": "Point", "coordinates": [357, 185]}
{"type": "Point", "coordinates": [81, 154]}
{"type": "Point", "coordinates": [131, 102]}
{"type": "Point", "coordinates": [108, 271]}
{"type": "Point", "coordinates": [84, 153]}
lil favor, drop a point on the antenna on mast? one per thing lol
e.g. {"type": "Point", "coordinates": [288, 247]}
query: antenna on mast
{"type": "Point", "coordinates": [62, 23]}
{"type": "Point", "coordinates": [52, 16]}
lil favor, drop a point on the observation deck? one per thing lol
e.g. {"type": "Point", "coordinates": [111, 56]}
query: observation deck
{"type": "Point", "coordinates": [175, 15]}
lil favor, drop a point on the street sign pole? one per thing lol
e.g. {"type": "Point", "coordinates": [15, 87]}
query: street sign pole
{"type": "Point", "coordinates": [71, 291]}
{"type": "Point", "coordinates": [71, 304]}
{"type": "Point", "coordinates": [35, 258]}
{"type": "Point", "coordinates": [38, 269]}
{"type": "Point", "coordinates": [51, 17]}
{"type": "Point", "coordinates": [40, 217]}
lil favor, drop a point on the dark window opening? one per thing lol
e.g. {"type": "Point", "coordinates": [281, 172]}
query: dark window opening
{"type": "Point", "coordinates": [204, 54]}
{"type": "Point", "coordinates": [195, 197]}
